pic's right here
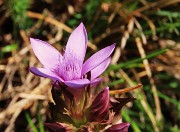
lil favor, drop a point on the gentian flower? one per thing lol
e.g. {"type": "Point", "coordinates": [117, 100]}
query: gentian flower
{"type": "Point", "coordinates": [68, 68]}
{"type": "Point", "coordinates": [100, 113]}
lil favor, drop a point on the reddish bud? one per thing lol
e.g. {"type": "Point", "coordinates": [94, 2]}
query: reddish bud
{"type": "Point", "coordinates": [122, 127]}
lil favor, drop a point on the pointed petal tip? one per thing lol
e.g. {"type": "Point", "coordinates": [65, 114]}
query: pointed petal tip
{"type": "Point", "coordinates": [97, 58]}
{"type": "Point", "coordinates": [113, 46]}
{"type": "Point", "coordinates": [121, 127]}
{"type": "Point", "coordinates": [100, 69]}
{"type": "Point", "coordinates": [32, 40]}
{"type": "Point", "coordinates": [81, 24]}
{"type": "Point", "coordinates": [106, 88]}
{"type": "Point", "coordinates": [126, 124]}
{"type": "Point", "coordinates": [77, 43]}
{"type": "Point", "coordinates": [47, 54]}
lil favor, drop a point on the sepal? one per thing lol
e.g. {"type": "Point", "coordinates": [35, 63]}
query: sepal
{"type": "Point", "coordinates": [121, 127]}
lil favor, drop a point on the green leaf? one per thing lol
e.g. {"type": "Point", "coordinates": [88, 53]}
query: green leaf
{"type": "Point", "coordinates": [9, 48]}
{"type": "Point", "coordinates": [123, 65]}
{"type": "Point", "coordinates": [168, 13]}
{"type": "Point", "coordinates": [126, 116]}
{"type": "Point", "coordinates": [175, 102]}
{"type": "Point", "coordinates": [116, 82]}
{"type": "Point", "coordinates": [30, 122]}
{"type": "Point", "coordinates": [41, 125]}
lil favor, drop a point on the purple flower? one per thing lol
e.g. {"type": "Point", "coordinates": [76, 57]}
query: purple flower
{"type": "Point", "coordinates": [69, 67]}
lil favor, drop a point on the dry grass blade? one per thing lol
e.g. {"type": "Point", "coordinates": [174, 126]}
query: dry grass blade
{"type": "Point", "coordinates": [143, 100]}
{"type": "Point", "coordinates": [143, 37]}
{"type": "Point", "coordinates": [13, 119]}
{"type": "Point", "coordinates": [56, 23]}
{"type": "Point", "coordinates": [49, 20]}
{"type": "Point", "coordinates": [149, 21]}
{"type": "Point", "coordinates": [149, 74]}
{"type": "Point", "coordinates": [158, 4]}
{"type": "Point", "coordinates": [116, 55]}
{"type": "Point", "coordinates": [127, 33]}
{"type": "Point", "coordinates": [8, 69]}
{"type": "Point", "coordinates": [120, 91]}
{"type": "Point", "coordinates": [26, 100]}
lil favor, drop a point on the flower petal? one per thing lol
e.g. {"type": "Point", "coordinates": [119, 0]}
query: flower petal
{"type": "Point", "coordinates": [55, 127]}
{"type": "Point", "coordinates": [97, 58]}
{"type": "Point", "coordinates": [79, 83]}
{"type": "Point", "coordinates": [100, 106]}
{"type": "Point", "coordinates": [100, 69]}
{"type": "Point", "coordinates": [77, 43]}
{"type": "Point", "coordinates": [95, 81]}
{"type": "Point", "coordinates": [45, 73]}
{"type": "Point", "coordinates": [46, 54]}
{"type": "Point", "coordinates": [122, 127]}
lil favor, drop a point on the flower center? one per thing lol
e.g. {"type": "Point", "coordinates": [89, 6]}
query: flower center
{"type": "Point", "coordinates": [70, 67]}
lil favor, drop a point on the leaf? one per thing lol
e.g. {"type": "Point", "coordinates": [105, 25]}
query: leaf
{"type": "Point", "coordinates": [9, 48]}
{"type": "Point", "coordinates": [125, 64]}
{"type": "Point", "coordinates": [30, 122]}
